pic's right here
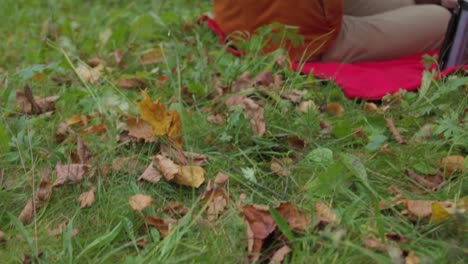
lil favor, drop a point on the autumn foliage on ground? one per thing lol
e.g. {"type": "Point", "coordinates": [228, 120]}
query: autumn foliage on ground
{"type": "Point", "coordinates": [129, 134]}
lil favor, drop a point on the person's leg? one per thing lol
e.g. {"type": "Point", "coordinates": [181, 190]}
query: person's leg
{"type": "Point", "coordinates": [404, 31]}
{"type": "Point", "coordinates": [372, 7]}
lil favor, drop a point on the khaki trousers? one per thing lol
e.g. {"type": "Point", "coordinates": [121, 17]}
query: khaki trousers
{"type": "Point", "coordinates": [384, 29]}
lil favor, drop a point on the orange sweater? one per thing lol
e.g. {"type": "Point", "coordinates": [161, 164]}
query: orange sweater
{"type": "Point", "coordinates": [319, 21]}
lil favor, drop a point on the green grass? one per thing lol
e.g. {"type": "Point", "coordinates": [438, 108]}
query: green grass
{"type": "Point", "coordinates": [109, 228]}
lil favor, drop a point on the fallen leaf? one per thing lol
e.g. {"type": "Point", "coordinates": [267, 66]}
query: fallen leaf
{"type": "Point", "coordinates": [252, 110]}
{"type": "Point", "coordinates": [131, 83]}
{"type": "Point", "coordinates": [218, 201]}
{"type": "Point", "coordinates": [306, 106]}
{"type": "Point", "coordinates": [164, 226]}
{"type": "Point", "coordinates": [280, 167]}
{"type": "Point", "coordinates": [260, 224]}
{"type": "Point", "coordinates": [78, 120]}
{"type": "Point", "coordinates": [412, 258]}
{"type": "Point", "coordinates": [166, 166]}
{"type": "Point", "coordinates": [27, 214]}
{"type": "Point", "coordinates": [175, 209]}
{"type": "Point", "coordinates": [97, 129]}
{"type": "Point", "coordinates": [452, 164]}
{"type": "Point", "coordinates": [130, 165]}
{"type": "Point", "coordinates": [421, 209]}
{"type": "Point", "coordinates": [297, 143]}
{"type": "Point", "coordinates": [264, 79]}
{"type": "Point", "coordinates": [192, 176]}
{"type": "Point", "coordinates": [29, 104]}
{"type": "Point", "coordinates": [372, 108]}
{"type": "Point", "coordinates": [297, 220]}
{"type": "Point", "coordinates": [196, 158]}
{"type": "Point", "coordinates": [394, 131]}
{"type": "Point", "coordinates": [432, 182]}
{"type": "Point", "coordinates": [335, 109]}
{"type": "Point", "coordinates": [150, 175]}
{"type": "Point", "coordinates": [62, 132]}
{"type": "Point", "coordinates": [151, 56]}
{"type": "Point", "coordinates": [439, 214]}
{"type": "Point", "coordinates": [221, 179]}
{"type": "Point", "coordinates": [397, 238]}
{"type": "Point", "coordinates": [45, 190]}
{"type": "Point", "coordinates": [89, 74]}
{"type": "Point", "coordinates": [86, 199]}
{"type": "Point", "coordinates": [325, 215]}
{"type": "Point", "coordinates": [139, 202]}
{"type": "Point", "coordinates": [295, 96]}
{"type": "Point", "coordinates": [118, 57]}
{"type": "Point", "coordinates": [83, 151]}
{"type": "Point", "coordinates": [280, 255]}
{"type": "Point", "coordinates": [60, 228]}
{"type": "Point", "coordinates": [140, 129]}
{"type": "Point", "coordinates": [70, 174]}
{"type": "Point", "coordinates": [216, 118]}
{"type": "Point", "coordinates": [373, 243]}
{"type": "Point", "coordinates": [163, 122]}
{"type": "Point", "coordinates": [243, 82]}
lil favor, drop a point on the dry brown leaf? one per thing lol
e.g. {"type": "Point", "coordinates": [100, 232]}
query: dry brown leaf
{"type": "Point", "coordinates": [164, 226]}
{"type": "Point", "coordinates": [397, 238]}
{"type": "Point", "coordinates": [252, 110]}
{"type": "Point", "coordinates": [97, 129]}
{"type": "Point", "coordinates": [325, 215]}
{"type": "Point", "coordinates": [62, 132]}
{"type": "Point", "coordinates": [78, 120]}
{"type": "Point", "coordinates": [452, 164]}
{"type": "Point", "coordinates": [131, 83]}
{"type": "Point", "coordinates": [192, 176]}
{"type": "Point", "coordinates": [432, 182]}
{"type": "Point", "coordinates": [394, 131]}
{"type": "Point", "coordinates": [260, 224]}
{"type": "Point", "coordinates": [163, 122]}
{"type": "Point", "coordinates": [45, 190]}
{"type": "Point", "coordinates": [335, 109]}
{"type": "Point", "coordinates": [281, 167]}
{"type": "Point", "coordinates": [140, 129]}
{"type": "Point", "coordinates": [295, 96]}
{"type": "Point", "coordinates": [373, 243]}
{"type": "Point", "coordinates": [86, 199]}
{"type": "Point", "coordinates": [297, 143]}
{"type": "Point", "coordinates": [242, 83]}
{"type": "Point", "coordinates": [90, 74]}
{"type": "Point", "coordinates": [27, 214]}
{"type": "Point", "coordinates": [70, 174]}
{"type": "Point", "coordinates": [297, 220]}
{"type": "Point", "coordinates": [372, 108]}
{"type": "Point", "coordinates": [412, 258]}
{"type": "Point", "coordinates": [83, 151]}
{"type": "Point", "coordinates": [218, 201]}
{"type": "Point", "coordinates": [60, 228]}
{"type": "Point", "coordinates": [221, 179]}
{"type": "Point", "coordinates": [280, 255]}
{"type": "Point", "coordinates": [139, 202]}
{"type": "Point", "coordinates": [216, 118]}
{"type": "Point", "coordinates": [196, 159]}
{"type": "Point", "coordinates": [175, 210]}
{"type": "Point", "coordinates": [118, 57]}
{"type": "Point", "coordinates": [152, 56]}
{"type": "Point", "coordinates": [264, 79]}
{"type": "Point", "coordinates": [29, 104]}
{"type": "Point", "coordinates": [306, 106]}
{"type": "Point", "coordinates": [130, 165]}
{"type": "Point", "coordinates": [150, 175]}
{"type": "Point", "coordinates": [166, 166]}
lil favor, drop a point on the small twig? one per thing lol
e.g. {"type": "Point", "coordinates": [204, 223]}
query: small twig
{"type": "Point", "coordinates": [396, 134]}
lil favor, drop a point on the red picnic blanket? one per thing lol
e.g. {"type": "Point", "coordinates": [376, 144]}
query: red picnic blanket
{"type": "Point", "coordinates": [363, 80]}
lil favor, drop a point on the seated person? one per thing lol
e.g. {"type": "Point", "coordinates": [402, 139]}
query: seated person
{"type": "Point", "coordinates": [344, 30]}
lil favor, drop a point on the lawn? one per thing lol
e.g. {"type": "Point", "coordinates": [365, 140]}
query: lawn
{"type": "Point", "coordinates": [244, 159]}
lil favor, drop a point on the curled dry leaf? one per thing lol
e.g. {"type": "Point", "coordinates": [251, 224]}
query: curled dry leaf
{"type": "Point", "coordinates": [97, 129]}
{"type": "Point", "coordinates": [90, 73]}
{"type": "Point", "coordinates": [325, 215]}
{"type": "Point", "coordinates": [280, 255]}
{"type": "Point", "coordinates": [86, 199]}
{"type": "Point", "coordinates": [42, 195]}
{"type": "Point", "coordinates": [78, 120]}
{"type": "Point", "coordinates": [70, 173]}
{"type": "Point", "coordinates": [281, 167]}
{"type": "Point", "coordinates": [335, 109]}
{"type": "Point", "coordinates": [164, 226]}
{"type": "Point", "coordinates": [196, 158]}
{"type": "Point", "coordinates": [297, 220]}
{"type": "Point", "coordinates": [175, 209]}
{"type": "Point", "coordinates": [295, 96]}
{"type": "Point", "coordinates": [221, 179]}
{"type": "Point", "coordinates": [297, 143]}
{"type": "Point", "coordinates": [140, 129]}
{"type": "Point", "coordinates": [252, 110]}
{"type": "Point", "coordinates": [131, 83]}
{"type": "Point", "coordinates": [150, 175]}
{"type": "Point", "coordinates": [260, 224]}
{"type": "Point", "coordinates": [394, 131]}
{"type": "Point", "coordinates": [151, 56]}
{"type": "Point", "coordinates": [27, 214]}
{"type": "Point", "coordinates": [372, 108]}
{"type": "Point", "coordinates": [452, 164]}
{"type": "Point", "coordinates": [29, 104]}
{"type": "Point", "coordinates": [218, 201]}
{"type": "Point", "coordinates": [139, 202]}
{"type": "Point", "coordinates": [306, 106]}
{"type": "Point", "coordinates": [83, 151]}
{"type": "Point", "coordinates": [166, 166]}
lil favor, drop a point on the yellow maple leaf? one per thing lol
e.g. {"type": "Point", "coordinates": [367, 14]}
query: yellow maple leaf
{"type": "Point", "coordinates": [163, 122]}
{"type": "Point", "coordinates": [439, 213]}
{"type": "Point", "coordinates": [192, 176]}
